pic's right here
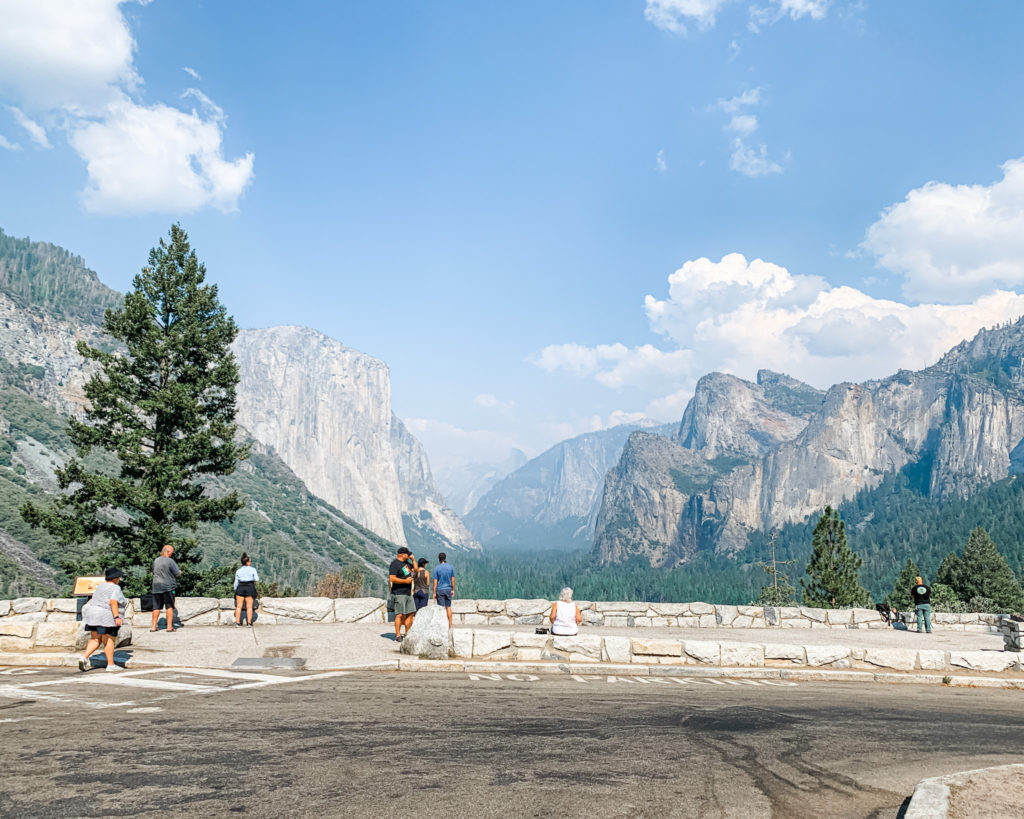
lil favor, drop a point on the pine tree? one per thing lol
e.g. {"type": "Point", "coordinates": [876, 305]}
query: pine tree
{"type": "Point", "coordinates": [780, 591]}
{"type": "Point", "coordinates": [833, 571]}
{"type": "Point", "coordinates": [951, 573]}
{"type": "Point", "coordinates": [164, 408]}
{"type": "Point", "coordinates": [899, 597]}
{"type": "Point", "coordinates": [986, 574]}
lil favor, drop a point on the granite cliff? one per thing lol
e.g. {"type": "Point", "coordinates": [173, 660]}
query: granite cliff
{"type": "Point", "coordinates": [755, 456]}
{"type": "Point", "coordinates": [552, 500]}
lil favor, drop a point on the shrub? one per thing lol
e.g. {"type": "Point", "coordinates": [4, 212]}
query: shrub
{"type": "Point", "coordinates": [346, 583]}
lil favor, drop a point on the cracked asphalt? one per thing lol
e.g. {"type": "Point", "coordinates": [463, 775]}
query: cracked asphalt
{"type": "Point", "coordinates": [388, 744]}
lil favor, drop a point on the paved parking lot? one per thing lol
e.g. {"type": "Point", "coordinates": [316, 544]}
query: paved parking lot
{"type": "Point", "coordinates": [290, 743]}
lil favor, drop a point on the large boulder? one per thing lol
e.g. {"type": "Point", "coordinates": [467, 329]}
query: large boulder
{"type": "Point", "coordinates": [429, 638]}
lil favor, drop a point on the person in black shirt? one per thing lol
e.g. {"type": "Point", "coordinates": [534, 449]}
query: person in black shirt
{"type": "Point", "coordinates": [922, 595]}
{"type": "Point", "coordinates": [400, 575]}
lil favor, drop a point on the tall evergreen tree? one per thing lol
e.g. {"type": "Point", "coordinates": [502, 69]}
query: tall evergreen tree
{"type": "Point", "coordinates": [899, 597]}
{"type": "Point", "coordinates": [951, 573]}
{"type": "Point", "coordinates": [164, 407]}
{"type": "Point", "coordinates": [986, 574]}
{"type": "Point", "coordinates": [833, 571]}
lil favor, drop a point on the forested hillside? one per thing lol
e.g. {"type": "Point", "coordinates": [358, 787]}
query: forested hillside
{"type": "Point", "coordinates": [49, 276]}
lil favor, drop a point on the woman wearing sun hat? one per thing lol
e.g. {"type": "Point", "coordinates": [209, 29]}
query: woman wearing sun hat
{"type": "Point", "coordinates": [102, 615]}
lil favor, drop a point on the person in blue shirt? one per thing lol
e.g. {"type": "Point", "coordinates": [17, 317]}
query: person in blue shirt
{"type": "Point", "coordinates": [444, 585]}
{"type": "Point", "coordinates": [245, 590]}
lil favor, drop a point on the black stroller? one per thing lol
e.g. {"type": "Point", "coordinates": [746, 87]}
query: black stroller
{"type": "Point", "coordinates": [892, 617]}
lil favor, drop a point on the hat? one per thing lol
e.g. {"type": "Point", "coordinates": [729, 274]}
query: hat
{"type": "Point", "coordinates": [403, 551]}
{"type": "Point", "coordinates": [112, 574]}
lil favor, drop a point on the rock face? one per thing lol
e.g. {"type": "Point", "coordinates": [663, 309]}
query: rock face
{"type": "Point", "coordinates": [326, 410]}
{"type": "Point", "coordinates": [553, 499]}
{"type": "Point", "coordinates": [464, 485]}
{"type": "Point", "coordinates": [429, 638]}
{"type": "Point", "coordinates": [755, 456]}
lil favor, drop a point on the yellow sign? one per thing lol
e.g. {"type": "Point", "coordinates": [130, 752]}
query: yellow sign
{"type": "Point", "coordinates": [85, 586]}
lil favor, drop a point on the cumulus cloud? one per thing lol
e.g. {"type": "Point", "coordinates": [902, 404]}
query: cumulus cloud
{"type": "Point", "coordinates": [738, 316]}
{"type": "Point", "coordinates": [955, 242]}
{"type": "Point", "coordinates": [7, 144]}
{"type": "Point", "coordinates": [35, 131]}
{"type": "Point", "coordinates": [750, 161]}
{"type": "Point", "coordinates": [69, 65]}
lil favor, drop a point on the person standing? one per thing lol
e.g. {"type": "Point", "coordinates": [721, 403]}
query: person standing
{"type": "Point", "coordinates": [421, 584]}
{"type": "Point", "coordinates": [245, 589]}
{"type": "Point", "coordinates": [922, 595]}
{"type": "Point", "coordinates": [102, 615]}
{"type": "Point", "coordinates": [400, 575]}
{"type": "Point", "coordinates": [444, 585]}
{"type": "Point", "coordinates": [165, 581]}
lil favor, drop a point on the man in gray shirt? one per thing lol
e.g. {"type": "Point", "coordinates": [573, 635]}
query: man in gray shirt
{"type": "Point", "coordinates": [165, 581]}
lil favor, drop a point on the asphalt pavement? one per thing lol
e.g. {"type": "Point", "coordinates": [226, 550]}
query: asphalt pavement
{"type": "Point", "coordinates": [191, 742]}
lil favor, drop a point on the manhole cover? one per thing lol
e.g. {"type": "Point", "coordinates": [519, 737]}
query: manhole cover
{"type": "Point", "coordinates": [269, 662]}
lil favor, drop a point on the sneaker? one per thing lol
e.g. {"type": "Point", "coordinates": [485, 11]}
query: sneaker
{"type": "Point", "coordinates": [114, 667]}
{"type": "Point", "coordinates": [399, 638]}
{"type": "Point", "coordinates": [84, 664]}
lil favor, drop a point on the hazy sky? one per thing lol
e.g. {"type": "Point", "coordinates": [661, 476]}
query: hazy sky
{"type": "Point", "coordinates": [546, 217]}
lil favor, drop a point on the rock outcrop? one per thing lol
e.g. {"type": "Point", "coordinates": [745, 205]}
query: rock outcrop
{"type": "Point", "coordinates": [326, 410]}
{"type": "Point", "coordinates": [756, 456]}
{"type": "Point", "coordinates": [552, 500]}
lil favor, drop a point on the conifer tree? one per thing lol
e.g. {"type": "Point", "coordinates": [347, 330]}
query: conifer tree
{"type": "Point", "coordinates": [833, 571]}
{"type": "Point", "coordinates": [986, 574]}
{"type": "Point", "coordinates": [164, 407]}
{"type": "Point", "coordinates": [899, 597]}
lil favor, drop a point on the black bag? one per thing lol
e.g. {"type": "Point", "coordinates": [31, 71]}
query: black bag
{"type": "Point", "coordinates": [391, 604]}
{"type": "Point", "coordinates": [147, 602]}
{"type": "Point", "coordinates": [255, 604]}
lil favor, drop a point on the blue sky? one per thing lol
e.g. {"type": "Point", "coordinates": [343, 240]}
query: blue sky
{"type": "Point", "coordinates": [546, 217]}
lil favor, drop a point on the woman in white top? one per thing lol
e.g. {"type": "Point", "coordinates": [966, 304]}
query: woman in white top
{"type": "Point", "coordinates": [103, 618]}
{"type": "Point", "coordinates": [245, 590]}
{"type": "Point", "coordinates": [565, 615]}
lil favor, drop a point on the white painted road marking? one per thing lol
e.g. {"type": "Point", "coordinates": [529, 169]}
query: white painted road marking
{"type": "Point", "coordinates": [613, 679]}
{"type": "Point", "coordinates": [141, 680]}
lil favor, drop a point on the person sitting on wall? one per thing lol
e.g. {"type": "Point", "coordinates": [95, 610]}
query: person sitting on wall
{"type": "Point", "coordinates": [565, 615]}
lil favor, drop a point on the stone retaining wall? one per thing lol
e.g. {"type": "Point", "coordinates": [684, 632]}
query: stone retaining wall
{"type": "Point", "coordinates": [700, 615]}
{"type": "Point", "coordinates": [486, 644]}
{"type": "Point", "coordinates": [37, 622]}
{"type": "Point", "coordinates": [30, 623]}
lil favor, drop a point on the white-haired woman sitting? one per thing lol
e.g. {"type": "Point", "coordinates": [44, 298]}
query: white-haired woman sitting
{"type": "Point", "coordinates": [565, 615]}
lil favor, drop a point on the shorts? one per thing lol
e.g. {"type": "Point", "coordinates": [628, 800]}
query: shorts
{"type": "Point", "coordinates": [111, 630]}
{"type": "Point", "coordinates": [421, 599]}
{"type": "Point", "coordinates": [246, 589]}
{"type": "Point", "coordinates": [404, 604]}
{"type": "Point", "coordinates": [163, 600]}
{"type": "Point", "coordinates": [444, 599]}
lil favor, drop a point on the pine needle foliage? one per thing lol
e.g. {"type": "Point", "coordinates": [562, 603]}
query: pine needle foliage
{"type": "Point", "coordinates": [899, 597]}
{"type": "Point", "coordinates": [164, 408]}
{"type": "Point", "coordinates": [832, 579]}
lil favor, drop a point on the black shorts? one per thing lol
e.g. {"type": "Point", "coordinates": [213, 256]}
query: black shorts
{"type": "Point", "coordinates": [111, 630]}
{"type": "Point", "coordinates": [163, 600]}
{"type": "Point", "coordinates": [246, 588]}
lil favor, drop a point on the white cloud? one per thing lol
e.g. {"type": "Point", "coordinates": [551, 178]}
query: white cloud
{"type": "Point", "coordinates": [488, 401]}
{"type": "Point", "coordinates": [35, 131]}
{"type": "Point", "coordinates": [660, 163]}
{"type": "Point", "coordinates": [735, 104]}
{"type": "Point", "coordinates": [750, 161]}
{"type": "Point", "coordinates": [673, 15]}
{"type": "Point", "coordinates": [742, 124]}
{"type": "Point", "coordinates": [157, 158]}
{"type": "Point", "coordinates": [70, 64]}
{"type": "Point", "coordinates": [6, 143]}
{"type": "Point", "coordinates": [955, 242]}
{"type": "Point", "coordinates": [676, 15]}
{"type": "Point", "coordinates": [455, 445]}
{"type": "Point", "coordinates": [192, 73]}
{"type": "Point", "coordinates": [745, 158]}
{"type": "Point", "coordinates": [737, 316]}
